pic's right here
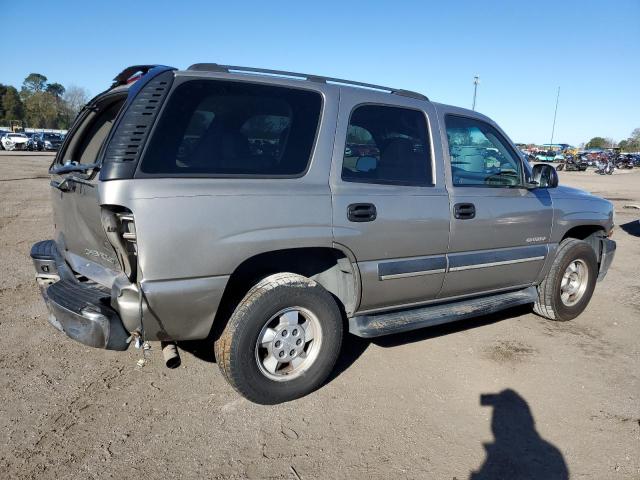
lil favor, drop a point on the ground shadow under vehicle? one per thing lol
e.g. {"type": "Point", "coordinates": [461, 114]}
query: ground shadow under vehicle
{"type": "Point", "coordinates": [353, 347]}
{"type": "Point", "coordinates": [518, 451]}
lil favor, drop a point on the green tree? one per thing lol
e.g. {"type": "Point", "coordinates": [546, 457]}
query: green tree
{"type": "Point", "coordinates": [41, 110]}
{"type": "Point", "coordinates": [598, 142]}
{"type": "Point", "coordinates": [35, 82]}
{"type": "Point", "coordinates": [12, 107]}
{"type": "Point", "coordinates": [55, 89]}
{"type": "Point", "coordinates": [631, 144]}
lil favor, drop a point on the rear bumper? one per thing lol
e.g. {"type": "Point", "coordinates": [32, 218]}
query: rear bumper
{"type": "Point", "coordinates": [79, 309]}
{"type": "Point", "coordinates": [606, 257]}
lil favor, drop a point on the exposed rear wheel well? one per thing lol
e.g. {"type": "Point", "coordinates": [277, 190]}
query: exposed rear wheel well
{"type": "Point", "coordinates": [327, 266]}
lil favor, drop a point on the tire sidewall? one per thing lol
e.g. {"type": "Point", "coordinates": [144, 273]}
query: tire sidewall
{"type": "Point", "coordinates": [251, 381]}
{"type": "Point", "coordinates": [581, 251]}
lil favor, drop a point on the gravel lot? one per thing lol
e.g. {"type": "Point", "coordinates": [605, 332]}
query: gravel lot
{"type": "Point", "coordinates": [406, 406]}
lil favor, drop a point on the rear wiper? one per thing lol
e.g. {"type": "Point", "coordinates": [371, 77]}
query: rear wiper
{"type": "Point", "coordinates": [74, 167]}
{"type": "Point", "coordinates": [64, 184]}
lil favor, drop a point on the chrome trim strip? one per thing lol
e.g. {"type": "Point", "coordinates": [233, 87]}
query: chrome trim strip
{"type": "Point", "coordinates": [495, 264]}
{"type": "Point", "coordinates": [411, 274]}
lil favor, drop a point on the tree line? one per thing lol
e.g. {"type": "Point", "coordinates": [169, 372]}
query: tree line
{"type": "Point", "coordinates": [631, 144]}
{"type": "Point", "coordinates": [41, 104]}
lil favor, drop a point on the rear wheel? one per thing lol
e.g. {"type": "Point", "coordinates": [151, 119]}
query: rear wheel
{"type": "Point", "coordinates": [566, 290]}
{"type": "Point", "coordinates": [282, 340]}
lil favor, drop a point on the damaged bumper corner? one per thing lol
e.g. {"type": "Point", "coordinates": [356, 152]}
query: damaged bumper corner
{"type": "Point", "coordinates": [79, 309]}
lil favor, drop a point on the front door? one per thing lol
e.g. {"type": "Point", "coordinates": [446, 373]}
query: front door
{"type": "Point", "coordinates": [390, 204]}
{"type": "Point", "coordinates": [499, 228]}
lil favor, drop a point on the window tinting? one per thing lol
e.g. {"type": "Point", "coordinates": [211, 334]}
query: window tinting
{"type": "Point", "coordinates": [233, 128]}
{"type": "Point", "coordinates": [388, 145]}
{"type": "Point", "coordinates": [480, 157]}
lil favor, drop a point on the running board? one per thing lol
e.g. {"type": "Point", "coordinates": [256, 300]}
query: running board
{"type": "Point", "coordinates": [375, 325]}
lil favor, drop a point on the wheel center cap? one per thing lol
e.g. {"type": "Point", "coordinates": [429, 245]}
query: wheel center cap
{"type": "Point", "coordinates": [288, 342]}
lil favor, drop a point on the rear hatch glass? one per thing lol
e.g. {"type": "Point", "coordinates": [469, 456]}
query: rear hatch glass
{"type": "Point", "coordinates": [77, 216]}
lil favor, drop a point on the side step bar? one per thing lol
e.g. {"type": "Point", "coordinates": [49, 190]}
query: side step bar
{"type": "Point", "coordinates": [375, 325]}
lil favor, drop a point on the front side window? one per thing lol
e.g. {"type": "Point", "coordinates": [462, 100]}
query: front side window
{"type": "Point", "coordinates": [480, 156]}
{"type": "Point", "coordinates": [221, 128]}
{"type": "Point", "coordinates": [387, 145]}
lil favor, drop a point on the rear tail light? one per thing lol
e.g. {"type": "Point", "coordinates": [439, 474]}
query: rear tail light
{"type": "Point", "coordinates": [121, 231]}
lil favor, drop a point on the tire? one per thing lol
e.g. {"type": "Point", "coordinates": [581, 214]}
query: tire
{"type": "Point", "coordinates": [244, 361]}
{"type": "Point", "coordinates": [550, 303]}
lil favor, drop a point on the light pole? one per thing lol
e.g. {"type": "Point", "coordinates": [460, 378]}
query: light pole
{"type": "Point", "coordinates": [476, 81]}
{"type": "Point", "coordinates": [555, 113]}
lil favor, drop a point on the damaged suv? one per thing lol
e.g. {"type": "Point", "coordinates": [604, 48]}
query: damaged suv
{"type": "Point", "coordinates": [271, 212]}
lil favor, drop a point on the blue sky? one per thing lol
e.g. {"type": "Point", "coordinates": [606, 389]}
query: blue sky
{"type": "Point", "coordinates": [522, 51]}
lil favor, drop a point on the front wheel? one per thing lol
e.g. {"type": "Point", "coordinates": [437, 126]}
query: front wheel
{"type": "Point", "coordinates": [282, 340]}
{"type": "Point", "coordinates": [566, 290]}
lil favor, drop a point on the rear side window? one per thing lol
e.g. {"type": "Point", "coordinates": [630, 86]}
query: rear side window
{"type": "Point", "coordinates": [387, 145]}
{"type": "Point", "coordinates": [219, 128]}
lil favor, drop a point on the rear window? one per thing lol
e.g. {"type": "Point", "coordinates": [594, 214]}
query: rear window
{"type": "Point", "coordinates": [219, 128]}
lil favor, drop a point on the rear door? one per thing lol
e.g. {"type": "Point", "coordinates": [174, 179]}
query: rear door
{"type": "Point", "coordinates": [390, 205]}
{"type": "Point", "coordinates": [499, 229]}
{"type": "Point", "coordinates": [78, 228]}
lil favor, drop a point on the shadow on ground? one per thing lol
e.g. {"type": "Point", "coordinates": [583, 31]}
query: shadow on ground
{"type": "Point", "coordinates": [353, 347]}
{"type": "Point", "coordinates": [518, 451]}
{"type": "Point", "coordinates": [632, 228]}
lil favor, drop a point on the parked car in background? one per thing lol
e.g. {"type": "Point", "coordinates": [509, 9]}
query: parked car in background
{"type": "Point", "coordinates": [624, 162]}
{"type": "Point", "coordinates": [15, 141]}
{"type": "Point", "coordinates": [548, 156]}
{"type": "Point", "coordinates": [35, 142]}
{"type": "Point", "coordinates": [2, 134]}
{"type": "Point", "coordinates": [51, 142]}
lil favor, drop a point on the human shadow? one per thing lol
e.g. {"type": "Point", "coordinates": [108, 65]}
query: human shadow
{"type": "Point", "coordinates": [632, 228]}
{"type": "Point", "coordinates": [518, 451]}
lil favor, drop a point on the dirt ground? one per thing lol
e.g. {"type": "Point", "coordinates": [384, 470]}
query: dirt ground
{"type": "Point", "coordinates": [499, 396]}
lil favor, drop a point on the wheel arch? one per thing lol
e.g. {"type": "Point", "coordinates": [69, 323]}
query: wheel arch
{"type": "Point", "coordinates": [332, 267]}
{"type": "Point", "coordinates": [589, 233]}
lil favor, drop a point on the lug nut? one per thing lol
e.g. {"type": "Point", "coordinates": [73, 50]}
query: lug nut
{"type": "Point", "coordinates": [295, 332]}
{"type": "Point", "coordinates": [278, 343]}
{"type": "Point", "coordinates": [299, 341]}
{"type": "Point", "coordinates": [281, 354]}
{"type": "Point", "coordinates": [292, 353]}
{"type": "Point", "coordinates": [284, 333]}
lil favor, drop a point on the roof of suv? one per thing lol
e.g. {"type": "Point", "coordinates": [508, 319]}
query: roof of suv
{"type": "Point", "coordinates": [214, 67]}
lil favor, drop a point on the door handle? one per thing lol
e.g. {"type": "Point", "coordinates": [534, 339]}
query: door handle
{"type": "Point", "coordinates": [464, 211]}
{"type": "Point", "coordinates": [361, 212]}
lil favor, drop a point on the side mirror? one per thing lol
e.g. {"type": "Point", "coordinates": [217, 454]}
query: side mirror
{"type": "Point", "coordinates": [366, 164]}
{"type": "Point", "coordinates": [545, 176]}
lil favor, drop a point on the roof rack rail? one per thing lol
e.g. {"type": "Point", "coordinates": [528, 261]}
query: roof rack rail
{"type": "Point", "coordinates": [214, 67]}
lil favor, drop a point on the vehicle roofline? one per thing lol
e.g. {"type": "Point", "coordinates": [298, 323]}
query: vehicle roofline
{"type": "Point", "coordinates": [243, 72]}
{"type": "Point", "coordinates": [465, 112]}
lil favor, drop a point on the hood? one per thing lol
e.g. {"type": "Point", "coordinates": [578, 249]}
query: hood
{"type": "Point", "coordinates": [18, 139]}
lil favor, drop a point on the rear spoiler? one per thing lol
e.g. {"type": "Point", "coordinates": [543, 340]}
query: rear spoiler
{"type": "Point", "coordinates": [131, 73]}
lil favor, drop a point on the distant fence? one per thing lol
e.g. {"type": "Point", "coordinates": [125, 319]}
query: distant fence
{"type": "Point", "coordinates": [39, 130]}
